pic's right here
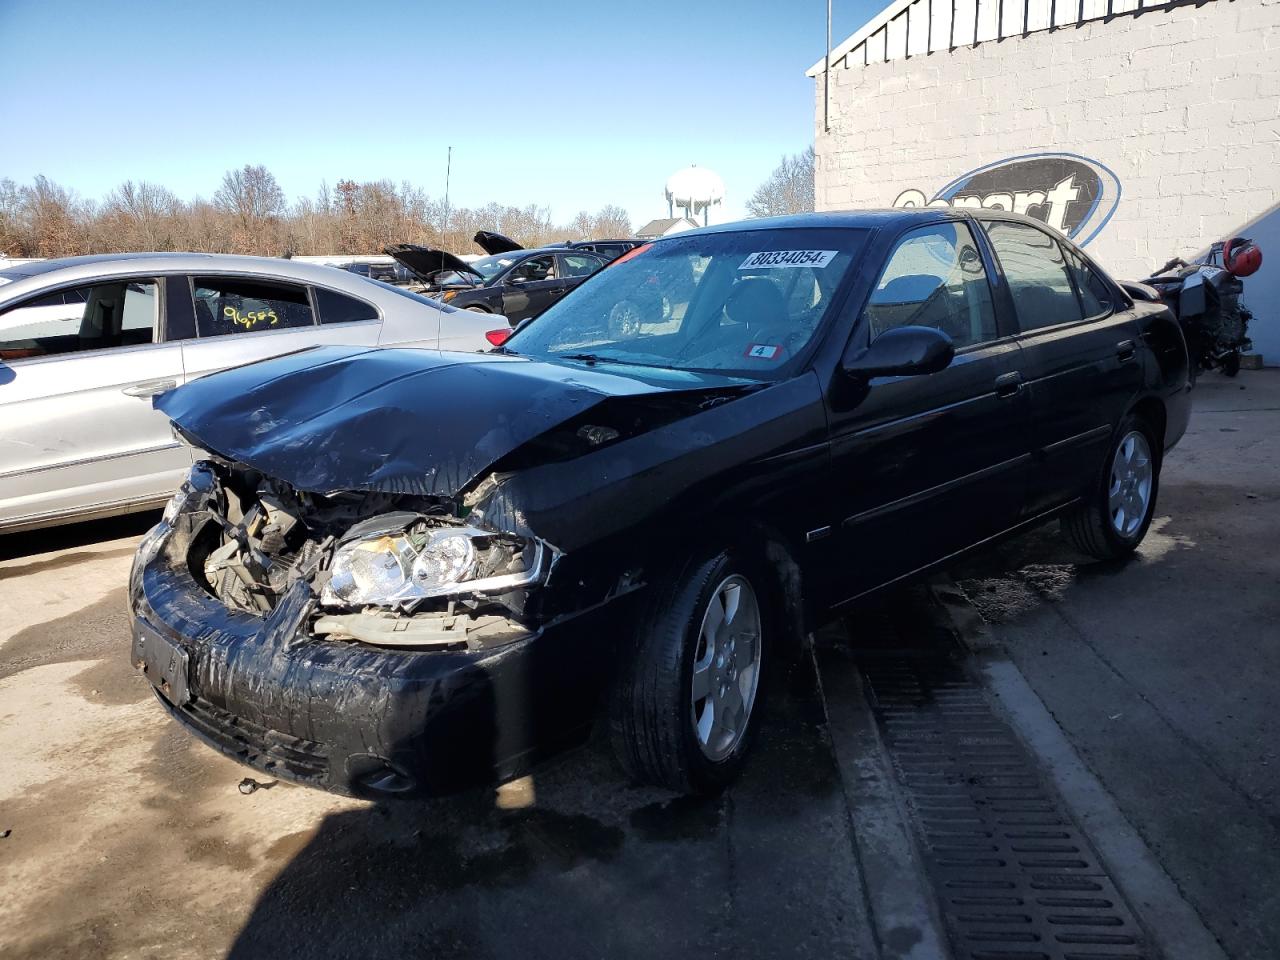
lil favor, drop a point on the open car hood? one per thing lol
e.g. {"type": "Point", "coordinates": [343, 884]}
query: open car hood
{"type": "Point", "coordinates": [408, 421]}
{"type": "Point", "coordinates": [492, 243]}
{"type": "Point", "coordinates": [427, 262]}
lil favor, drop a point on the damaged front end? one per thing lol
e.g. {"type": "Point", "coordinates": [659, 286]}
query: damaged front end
{"type": "Point", "coordinates": [381, 569]}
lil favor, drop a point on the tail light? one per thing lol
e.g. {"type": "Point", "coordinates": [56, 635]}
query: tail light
{"type": "Point", "coordinates": [498, 337]}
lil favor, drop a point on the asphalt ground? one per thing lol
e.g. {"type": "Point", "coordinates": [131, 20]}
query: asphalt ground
{"type": "Point", "coordinates": [1162, 671]}
{"type": "Point", "coordinates": [127, 838]}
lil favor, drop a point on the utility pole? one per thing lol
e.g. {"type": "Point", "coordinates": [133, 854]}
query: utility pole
{"type": "Point", "coordinates": [448, 169]}
{"type": "Point", "coordinates": [826, 79]}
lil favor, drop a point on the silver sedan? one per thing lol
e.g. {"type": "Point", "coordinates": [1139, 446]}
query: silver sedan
{"type": "Point", "coordinates": [86, 342]}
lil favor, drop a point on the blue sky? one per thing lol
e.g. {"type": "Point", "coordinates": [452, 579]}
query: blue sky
{"type": "Point", "coordinates": [573, 105]}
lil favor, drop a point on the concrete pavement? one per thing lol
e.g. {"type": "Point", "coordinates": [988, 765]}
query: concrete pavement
{"type": "Point", "coordinates": [1162, 671]}
{"type": "Point", "coordinates": [128, 838]}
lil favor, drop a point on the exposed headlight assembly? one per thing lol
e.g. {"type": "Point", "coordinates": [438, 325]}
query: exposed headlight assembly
{"type": "Point", "coordinates": [196, 490]}
{"type": "Point", "coordinates": [421, 561]}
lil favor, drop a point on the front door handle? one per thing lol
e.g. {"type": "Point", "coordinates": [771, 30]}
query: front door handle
{"type": "Point", "coordinates": [1126, 350]}
{"type": "Point", "coordinates": [149, 388]}
{"type": "Point", "coordinates": [1009, 384]}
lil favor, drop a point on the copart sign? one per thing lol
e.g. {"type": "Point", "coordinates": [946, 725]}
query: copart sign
{"type": "Point", "coordinates": [1073, 194]}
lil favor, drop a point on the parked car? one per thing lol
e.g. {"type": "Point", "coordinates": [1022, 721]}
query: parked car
{"type": "Point", "coordinates": [518, 284]}
{"type": "Point", "coordinates": [395, 273]}
{"type": "Point", "coordinates": [609, 249]}
{"type": "Point", "coordinates": [86, 342]}
{"type": "Point", "coordinates": [490, 547]}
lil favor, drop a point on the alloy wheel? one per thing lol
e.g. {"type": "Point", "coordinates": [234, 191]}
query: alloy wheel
{"type": "Point", "coordinates": [1132, 479]}
{"type": "Point", "coordinates": [726, 668]}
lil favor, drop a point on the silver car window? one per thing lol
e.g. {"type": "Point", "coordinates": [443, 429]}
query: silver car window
{"type": "Point", "coordinates": [231, 305]}
{"type": "Point", "coordinates": [120, 313]}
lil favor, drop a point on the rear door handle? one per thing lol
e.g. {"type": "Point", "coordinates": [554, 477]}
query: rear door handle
{"type": "Point", "coordinates": [1009, 384]}
{"type": "Point", "coordinates": [1126, 350]}
{"type": "Point", "coordinates": [149, 388]}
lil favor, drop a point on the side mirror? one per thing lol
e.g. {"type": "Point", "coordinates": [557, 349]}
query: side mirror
{"type": "Point", "coordinates": [902, 352]}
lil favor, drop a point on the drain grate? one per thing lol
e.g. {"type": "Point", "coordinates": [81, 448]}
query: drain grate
{"type": "Point", "coordinates": [1015, 878]}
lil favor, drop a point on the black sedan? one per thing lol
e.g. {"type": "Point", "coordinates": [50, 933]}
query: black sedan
{"type": "Point", "coordinates": [518, 284]}
{"type": "Point", "coordinates": [394, 571]}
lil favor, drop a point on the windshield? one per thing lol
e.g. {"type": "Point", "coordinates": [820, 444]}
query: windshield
{"type": "Point", "coordinates": [743, 303]}
{"type": "Point", "coordinates": [490, 267]}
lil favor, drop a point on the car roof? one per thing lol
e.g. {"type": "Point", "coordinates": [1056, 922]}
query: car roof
{"type": "Point", "coordinates": [530, 251]}
{"type": "Point", "coordinates": [28, 278]}
{"type": "Point", "coordinates": [851, 219]}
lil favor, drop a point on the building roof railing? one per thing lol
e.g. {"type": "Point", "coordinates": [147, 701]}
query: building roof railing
{"type": "Point", "coordinates": [908, 28]}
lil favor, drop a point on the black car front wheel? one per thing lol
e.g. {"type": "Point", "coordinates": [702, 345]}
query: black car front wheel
{"type": "Point", "coordinates": [686, 704]}
{"type": "Point", "coordinates": [1116, 516]}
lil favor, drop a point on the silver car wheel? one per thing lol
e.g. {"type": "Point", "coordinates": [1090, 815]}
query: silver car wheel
{"type": "Point", "coordinates": [1132, 478]}
{"type": "Point", "coordinates": [726, 668]}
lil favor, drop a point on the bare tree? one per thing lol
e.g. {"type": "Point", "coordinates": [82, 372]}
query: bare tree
{"type": "Point", "coordinates": [142, 216]}
{"type": "Point", "coordinates": [611, 221]}
{"type": "Point", "coordinates": [10, 219]}
{"type": "Point", "coordinates": [255, 203]}
{"type": "Point", "coordinates": [248, 214]}
{"type": "Point", "coordinates": [789, 188]}
{"type": "Point", "coordinates": [583, 225]}
{"type": "Point", "coordinates": [53, 220]}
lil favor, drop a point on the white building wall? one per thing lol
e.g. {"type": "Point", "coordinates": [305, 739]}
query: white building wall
{"type": "Point", "coordinates": [1182, 104]}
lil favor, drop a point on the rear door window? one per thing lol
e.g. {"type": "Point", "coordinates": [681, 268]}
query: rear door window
{"type": "Point", "coordinates": [579, 264]}
{"type": "Point", "coordinates": [337, 307]}
{"type": "Point", "coordinates": [1095, 296]}
{"type": "Point", "coordinates": [98, 316]}
{"type": "Point", "coordinates": [1036, 271]}
{"type": "Point", "coordinates": [230, 305]}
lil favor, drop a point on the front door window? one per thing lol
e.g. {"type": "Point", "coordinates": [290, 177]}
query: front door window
{"type": "Point", "coordinates": [98, 316]}
{"type": "Point", "coordinates": [535, 269]}
{"type": "Point", "coordinates": [935, 278]}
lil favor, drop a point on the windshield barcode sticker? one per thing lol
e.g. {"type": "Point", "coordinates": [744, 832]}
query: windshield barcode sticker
{"type": "Point", "coordinates": [773, 259]}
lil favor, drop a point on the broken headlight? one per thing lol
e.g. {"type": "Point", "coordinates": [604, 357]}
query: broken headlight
{"type": "Point", "coordinates": [422, 561]}
{"type": "Point", "coordinates": [195, 491]}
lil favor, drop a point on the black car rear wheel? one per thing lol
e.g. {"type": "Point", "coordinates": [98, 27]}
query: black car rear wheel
{"type": "Point", "coordinates": [1117, 514]}
{"type": "Point", "coordinates": [686, 704]}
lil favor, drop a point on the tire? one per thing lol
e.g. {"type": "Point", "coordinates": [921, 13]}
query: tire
{"type": "Point", "coordinates": [654, 718]}
{"type": "Point", "coordinates": [475, 309]}
{"type": "Point", "coordinates": [1231, 364]}
{"type": "Point", "coordinates": [624, 320]}
{"type": "Point", "coordinates": [1097, 527]}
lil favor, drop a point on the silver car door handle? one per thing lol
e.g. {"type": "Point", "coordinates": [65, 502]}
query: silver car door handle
{"type": "Point", "coordinates": [149, 388]}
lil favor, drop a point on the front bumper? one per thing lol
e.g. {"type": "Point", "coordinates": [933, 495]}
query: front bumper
{"type": "Point", "coordinates": [350, 718]}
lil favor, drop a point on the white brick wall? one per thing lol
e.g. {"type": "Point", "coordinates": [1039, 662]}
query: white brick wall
{"type": "Point", "coordinates": [1182, 104]}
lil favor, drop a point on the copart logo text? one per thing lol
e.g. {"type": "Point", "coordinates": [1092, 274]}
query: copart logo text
{"type": "Point", "coordinates": [1073, 194]}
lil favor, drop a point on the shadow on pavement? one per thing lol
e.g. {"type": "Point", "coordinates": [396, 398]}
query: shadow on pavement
{"type": "Point", "coordinates": [71, 535]}
{"type": "Point", "coordinates": [590, 867]}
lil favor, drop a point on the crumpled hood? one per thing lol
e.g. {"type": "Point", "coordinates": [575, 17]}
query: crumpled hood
{"type": "Point", "coordinates": [399, 421]}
